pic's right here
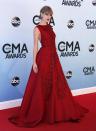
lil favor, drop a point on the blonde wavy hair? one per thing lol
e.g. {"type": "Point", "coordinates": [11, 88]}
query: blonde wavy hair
{"type": "Point", "coordinates": [46, 9]}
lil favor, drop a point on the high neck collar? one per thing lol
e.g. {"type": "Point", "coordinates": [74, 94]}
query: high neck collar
{"type": "Point", "coordinates": [43, 25]}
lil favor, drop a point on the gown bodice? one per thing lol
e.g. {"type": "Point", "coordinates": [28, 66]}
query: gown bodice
{"type": "Point", "coordinates": [47, 35]}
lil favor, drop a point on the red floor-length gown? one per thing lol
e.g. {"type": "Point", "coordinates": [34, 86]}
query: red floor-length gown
{"type": "Point", "coordinates": [47, 97]}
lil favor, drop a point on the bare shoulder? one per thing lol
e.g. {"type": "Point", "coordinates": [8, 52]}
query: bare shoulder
{"type": "Point", "coordinates": [36, 30]}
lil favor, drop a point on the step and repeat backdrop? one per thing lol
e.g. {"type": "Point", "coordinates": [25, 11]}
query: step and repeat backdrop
{"type": "Point", "coordinates": [74, 22]}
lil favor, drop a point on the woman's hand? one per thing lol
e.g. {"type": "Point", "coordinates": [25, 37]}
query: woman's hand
{"type": "Point", "coordinates": [35, 68]}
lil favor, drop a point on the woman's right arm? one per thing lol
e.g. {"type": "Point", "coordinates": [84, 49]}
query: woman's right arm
{"type": "Point", "coordinates": [36, 35]}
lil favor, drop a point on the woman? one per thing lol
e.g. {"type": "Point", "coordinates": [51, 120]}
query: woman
{"type": "Point", "coordinates": [47, 96]}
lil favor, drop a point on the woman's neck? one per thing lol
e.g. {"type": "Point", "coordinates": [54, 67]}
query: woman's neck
{"type": "Point", "coordinates": [43, 23]}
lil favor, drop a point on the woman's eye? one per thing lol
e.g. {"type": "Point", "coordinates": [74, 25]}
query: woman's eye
{"type": "Point", "coordinates": [46, 13]}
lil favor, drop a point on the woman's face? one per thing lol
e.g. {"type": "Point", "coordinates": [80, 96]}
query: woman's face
{"type": "Point", "coordinates": [46, 17]}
